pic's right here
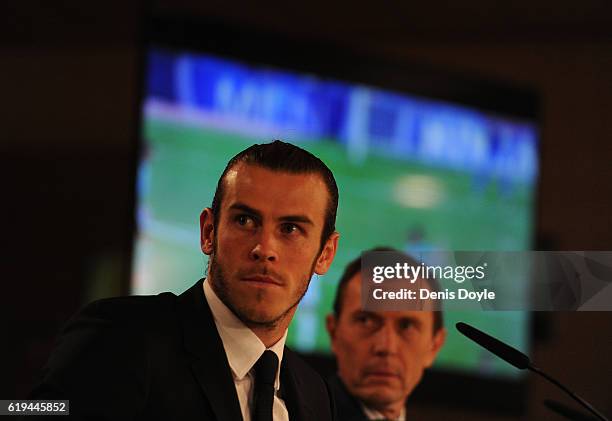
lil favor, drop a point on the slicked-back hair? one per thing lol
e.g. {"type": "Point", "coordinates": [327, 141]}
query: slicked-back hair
{"type": "Point", "coordinates": [284, 157]}
{"type": "Point", "coordinates": [354, 267]}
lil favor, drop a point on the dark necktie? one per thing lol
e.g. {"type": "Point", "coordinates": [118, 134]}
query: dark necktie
{"type": "Point", "coordinates": [265, 375]}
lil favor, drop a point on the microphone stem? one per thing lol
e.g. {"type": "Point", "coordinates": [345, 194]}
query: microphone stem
{"type": "Point", "coordinates": [569, 392]}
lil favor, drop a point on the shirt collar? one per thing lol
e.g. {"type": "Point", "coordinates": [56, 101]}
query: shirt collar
{"type": "Point", "coordinates": [373, 414]}
{"type": "Point", "coordinates": [242, 347]}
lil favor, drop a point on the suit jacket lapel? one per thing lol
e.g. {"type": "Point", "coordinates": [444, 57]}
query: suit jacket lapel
{"type": "Point", "coordinates": [298, 408]}
{"type": "Point", "coordinates": [210, 365]}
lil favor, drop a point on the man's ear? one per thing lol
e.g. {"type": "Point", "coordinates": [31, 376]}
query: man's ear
{"type": "Point", "coordinates": [436, 344]}
{"type": "Point", "coordinates": [327, 255]}
{"type": "Point", "coordinates": [330, 325]}
{"type": "Point", "coordinates": [207, 231]}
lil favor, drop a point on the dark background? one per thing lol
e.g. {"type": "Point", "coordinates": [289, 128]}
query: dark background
{"type": "Point", "coordinates": [69, 88]}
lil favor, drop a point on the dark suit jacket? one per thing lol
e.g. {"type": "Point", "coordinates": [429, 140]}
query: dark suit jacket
{"type": "Point", "coordinates": [161, 357]}
{"type": "Point", "coordinates": [347, 406]}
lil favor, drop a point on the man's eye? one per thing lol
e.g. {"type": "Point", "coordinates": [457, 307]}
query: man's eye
{"type": "Point", "coordinates": [365, 320]}
{"type": "Point", "coordinates": [289, 228]}
{"type": "Point", "coordinates": [244, 220]}
{"type": "Point", "coordinates": [405, 324]}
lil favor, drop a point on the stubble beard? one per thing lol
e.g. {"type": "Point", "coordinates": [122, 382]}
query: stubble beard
{"type": "Point", "coordinates": [249, 317]}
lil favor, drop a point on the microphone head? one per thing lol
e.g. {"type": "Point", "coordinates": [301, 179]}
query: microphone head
{"type": "Point", "coordinates": [505, 352]}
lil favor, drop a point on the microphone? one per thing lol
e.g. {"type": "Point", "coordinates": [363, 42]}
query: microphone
{"type": "Point", "coordinates": [567, 412]}
{"type": "Point", "coordinates": [497, 347]}
{"type": "Point", "coordinates": [519, 360]}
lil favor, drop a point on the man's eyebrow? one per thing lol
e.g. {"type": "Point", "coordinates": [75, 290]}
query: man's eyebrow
{"type": "Point", "coordinates": [245, 208]}
{"type": "Point", "coordinates": [296, 218]}
{"type": "Point", "coordinates": [411, 319]}
{"type": "Point", "coordinates": [287, 218]}
{"type": "Point", "coordinates": [360, 312]}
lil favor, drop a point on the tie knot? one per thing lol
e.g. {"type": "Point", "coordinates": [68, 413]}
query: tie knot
{"type": "Point", "coordinates": [265, 368]}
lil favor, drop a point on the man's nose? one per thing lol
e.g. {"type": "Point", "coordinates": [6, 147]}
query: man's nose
{"type": "Point", "coordinates": [265, 248]}
{"type": "Point", "coordinates": [386, 340]}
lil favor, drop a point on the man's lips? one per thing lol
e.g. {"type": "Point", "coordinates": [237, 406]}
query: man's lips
{"type": "Point", "coordinates": [381, 372]}
{"type": "Point", "coordinates": [262, 279]}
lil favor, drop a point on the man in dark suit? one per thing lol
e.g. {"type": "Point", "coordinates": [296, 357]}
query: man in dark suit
{"type": "Point", "coordinates": [381, 355]}
{"type": "Point", "coordinates": [215, 352]}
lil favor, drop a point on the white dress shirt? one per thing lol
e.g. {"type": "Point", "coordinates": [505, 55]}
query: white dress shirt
{"type": "Point", "coordinates": [243, 348]}
{"type": "Point", "coordinates": [373, 414]}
